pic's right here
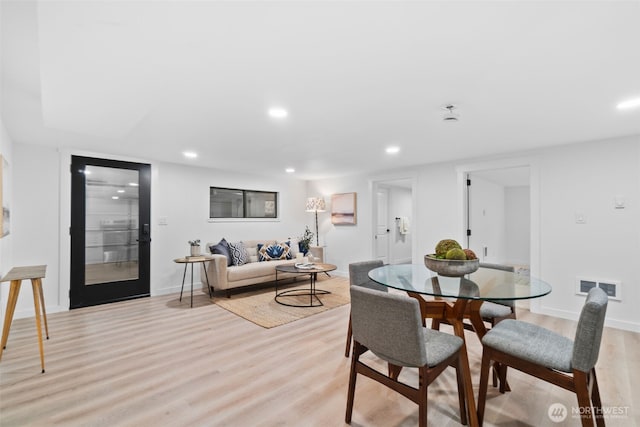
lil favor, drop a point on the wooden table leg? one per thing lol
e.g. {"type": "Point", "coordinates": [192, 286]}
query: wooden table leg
{"type": "Point", "coordinates": [455, 317]}
{"type": "Point", "coordinates": [36, 302]}
{"type": "Point", "coordinates": [8, 316]}
{"type": "Point", "coordinates": [481, 331]}
{"type": "Point", "coordinates": [44, 310]}
{"type": "Point", "coordinates": [454, 314]}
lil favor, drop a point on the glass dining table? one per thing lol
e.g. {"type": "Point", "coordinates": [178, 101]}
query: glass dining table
{"type": "Point", "coordinates": [452, 299]}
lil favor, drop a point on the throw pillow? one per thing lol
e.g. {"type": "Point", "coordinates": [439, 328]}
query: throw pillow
{"type": "Point", "coordinates": [272, 252]}
{"type": "Point", "coordinates": [239, 254]}
{"type": "Point", "coordinates": [222, 248]}
{"type": "Point", "coordinates": [288, 244]}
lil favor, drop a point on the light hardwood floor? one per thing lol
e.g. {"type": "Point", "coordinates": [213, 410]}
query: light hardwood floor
{"type": "Point", "coordinates": [156, 362]}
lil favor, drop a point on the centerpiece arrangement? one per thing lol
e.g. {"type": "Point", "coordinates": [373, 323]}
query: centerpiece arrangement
{"type": "Point", "coordinates": [451, 260]}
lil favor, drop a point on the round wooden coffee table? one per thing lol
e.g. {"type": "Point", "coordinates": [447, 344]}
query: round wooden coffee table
{"type": "Point", "coordinates": [312, 292]}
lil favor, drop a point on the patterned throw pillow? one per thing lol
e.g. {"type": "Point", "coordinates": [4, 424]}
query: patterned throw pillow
{"type": "Point", "coordinates": [272, 252]}
{"type": "Point", "coordinates": [222, 248]}
{"type": "Point", "coordinates": [290, 254]}
{"type": "Point", "coordinates": [239, 254]}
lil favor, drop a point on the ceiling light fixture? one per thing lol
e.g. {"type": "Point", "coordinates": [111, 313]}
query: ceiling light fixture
{"type": "Point", "coordinates": [133, 184]}
{"type": "Point", "coordinates": [190, 154]}
{"type": "Point", "coordinates": [120, 191]}
{"type": "Point", "coordinates": [278, 113]}
{"type": "Point", "coordinates": [450, 115]}
{"type": "Point", "coordinates": [631, 103]}
{"type": "Point", "coordinates": [290, 170]}
{"type": "Point", "coordinates": [392, 150]}
{"type": "Point", "coordinates": [115, 197]}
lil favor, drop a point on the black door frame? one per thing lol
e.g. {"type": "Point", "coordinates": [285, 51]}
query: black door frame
{"type": "Point", "coordinates": [81, 295]}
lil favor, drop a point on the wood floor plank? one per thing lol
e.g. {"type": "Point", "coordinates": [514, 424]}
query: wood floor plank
{"type": "Point", "coordinates": [155, 361]}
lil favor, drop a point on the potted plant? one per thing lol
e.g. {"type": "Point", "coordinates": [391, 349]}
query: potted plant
{"type": "Point", "coordinates": [304, 241]}
{"type": "Point", "coordinates": [195, 247]}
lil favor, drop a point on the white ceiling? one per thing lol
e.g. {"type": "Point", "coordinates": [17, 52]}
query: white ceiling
{"type": "Point", "coordinates": [151, 79]}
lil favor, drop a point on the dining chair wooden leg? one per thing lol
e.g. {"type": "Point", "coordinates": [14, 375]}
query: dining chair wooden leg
{"type": "Point", "coordinates": [581, 383]}
{"type": "Point", "coordinates": [595, 398]}
{"type": "Point", "coordinates": [422, 396]}
{"type": "Point", "coordinates": [484, 382]}
{"type": "Point", "coordinates": [461, 401]}
{"type": "Point", "coordinates": [358, 349]}
{"type": "Point", "coordinates": [394, 371]}
{"type": "Point", "coordinates": [347, 348]}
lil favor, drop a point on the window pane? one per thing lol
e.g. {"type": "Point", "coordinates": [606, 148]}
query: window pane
{"type": "Point", "coordinates": [225, 203]}
{"type": "Point", "coordinates": [261, 204]}
{"type": "Point", "coordinates": [111, 246]}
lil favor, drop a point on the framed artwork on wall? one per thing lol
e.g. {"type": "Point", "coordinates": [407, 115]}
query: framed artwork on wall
{"type": "Point", "coordinates": [343, 209]}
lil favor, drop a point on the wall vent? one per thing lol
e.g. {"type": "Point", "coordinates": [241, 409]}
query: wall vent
{"type": "Point", "coordinates": [611, 287]}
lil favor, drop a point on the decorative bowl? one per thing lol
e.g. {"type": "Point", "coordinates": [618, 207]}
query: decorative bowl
{"type": "Point", "coordinates": [451, 267]}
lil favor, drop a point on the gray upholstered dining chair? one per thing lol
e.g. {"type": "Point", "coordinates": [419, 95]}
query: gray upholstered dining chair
{"type": "Point", "coordinates": [390, 326]}
{"type": "Point", "coordinates": [495, 311]}
{"type": "Point", "coordinates": [359, 276]}
{"type": "Point", "coordinates": [551, 357]}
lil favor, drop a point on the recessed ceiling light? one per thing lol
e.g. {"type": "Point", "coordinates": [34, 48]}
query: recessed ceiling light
{"type": "Point", "coordinates": [190, 154]}
{"type": "Point", "coordinates": [120, 191]}
{"type": "Point", "coordinates": [631, 103]}
{"type": "Point", "coordinates": [86, 172]}
{"type": "Point", "coordinates": [290, 170]}
{"type": "Point", "coordinates": [133, 184]}
{"type": "Point", "coordinates": [115, 197]}
{"type": "Point", "coordinates": [392, 150]}
{"type": "Point", "coordinates": [278, 113]}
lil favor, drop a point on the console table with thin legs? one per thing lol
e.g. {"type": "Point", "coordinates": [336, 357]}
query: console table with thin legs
{"type": "Point", "coordinates": [16, 275]}
{"type": "Point", "coordinates": [190, 261]}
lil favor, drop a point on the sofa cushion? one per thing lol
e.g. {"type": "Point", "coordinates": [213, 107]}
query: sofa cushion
{"type": "Point", "coordinates": [273, 252]}
{"type": "Point", "coordinates": [239, 254]}
{"type": "Point", "coordinates": [222, 248]}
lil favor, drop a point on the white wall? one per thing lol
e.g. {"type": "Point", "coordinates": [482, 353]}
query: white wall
{"type": "Point", "coordinates": [585, 179]}
{"type": "Point", "coordinates": [518, 224]}
{"type": "Point", "coordinates": [181, 194]}
{"type": "Point", "coordinates": [35, 221]}
{"type": "Point", "coordinates": [6, 259]}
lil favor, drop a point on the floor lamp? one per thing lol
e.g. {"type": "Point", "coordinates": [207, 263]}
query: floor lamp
{"type": "Point", "coordinates": [316, 204]}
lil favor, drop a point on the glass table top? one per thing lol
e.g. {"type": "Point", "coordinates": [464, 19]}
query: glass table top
{"type": "Point", "coordinates": [484, 284]}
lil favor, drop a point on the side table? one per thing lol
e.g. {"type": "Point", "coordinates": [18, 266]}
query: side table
{"type": "Point", "coordinates": [16, 275]}
{"type": "Point", "coordinates": [190, 260]}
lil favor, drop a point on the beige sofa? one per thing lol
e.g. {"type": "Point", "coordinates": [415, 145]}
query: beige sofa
{"type": "Point", "coordinates": [223, 277]}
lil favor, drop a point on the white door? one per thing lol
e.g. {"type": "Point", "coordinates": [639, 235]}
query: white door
{"type": "Point", "coordinates": [382, 225]}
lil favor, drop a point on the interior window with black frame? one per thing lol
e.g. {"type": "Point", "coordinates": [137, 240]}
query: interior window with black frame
{"type": "Point", "coordinates": [236, 203]}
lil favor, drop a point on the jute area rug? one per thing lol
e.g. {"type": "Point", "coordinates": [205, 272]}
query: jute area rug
{"type": "Point", "coordinates": [260, 307]}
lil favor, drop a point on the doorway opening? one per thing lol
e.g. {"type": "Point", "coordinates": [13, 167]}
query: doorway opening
{"type": "Point", "coordinates": [498, 216]}
{"type": "Point", "coordinates": [392, 226]}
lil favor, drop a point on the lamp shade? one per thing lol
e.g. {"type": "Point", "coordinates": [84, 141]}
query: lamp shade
{"type": "Point", "coordinates": [315, 204]}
